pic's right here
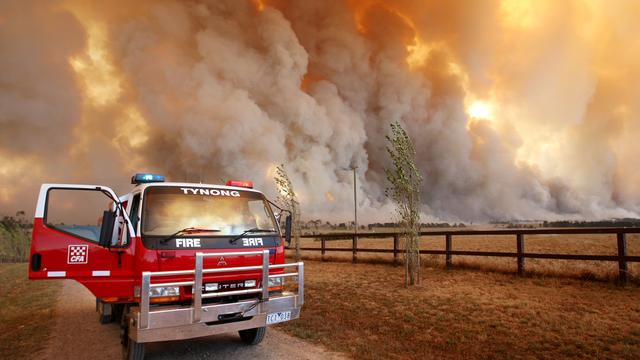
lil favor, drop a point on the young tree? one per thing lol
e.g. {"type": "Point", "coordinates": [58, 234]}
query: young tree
{"type": "Point", "coordinates": [404, 189]}
{"type": "Point", "coordinates": [287, 199]}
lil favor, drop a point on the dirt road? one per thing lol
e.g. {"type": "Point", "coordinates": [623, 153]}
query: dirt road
{"type": "Point", "coordinates": [78, 335]}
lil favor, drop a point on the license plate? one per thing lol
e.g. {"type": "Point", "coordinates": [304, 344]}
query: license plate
{"type": "Point", "coordinates": [278, 317]}
{"type": "Point", "coordinates": [225, 286]}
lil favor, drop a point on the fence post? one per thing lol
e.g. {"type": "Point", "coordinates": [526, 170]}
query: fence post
{"type": "Point", "coordinates": [323, 246]}
{"type": "Point", "coordinates": [623, 274]}
{"type": "Point", "coordinates": [355, 248]}
{"type": "Point", "coordinates": [520, 250]}
{"type": "Point", "coordinates": [448, 248]}
{"type": "Point", "coordinates": [396, 243]}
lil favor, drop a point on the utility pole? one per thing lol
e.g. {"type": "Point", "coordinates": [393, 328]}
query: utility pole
{"type": "Point", "coordinates": [355, 199]}
{"type": "Point", "coordinates": [355, 215]}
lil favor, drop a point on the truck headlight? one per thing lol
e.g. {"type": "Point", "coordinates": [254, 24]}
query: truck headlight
{"type": "Point", "coordinates": [164, 291]}
{"type": "Point", "coordinates": [273, 282]}
{"type": "Point", "coordinates": [249, 283]}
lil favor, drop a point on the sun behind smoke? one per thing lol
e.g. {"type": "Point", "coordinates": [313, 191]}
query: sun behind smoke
{"type": "Point", "coordinates": [480, 110]}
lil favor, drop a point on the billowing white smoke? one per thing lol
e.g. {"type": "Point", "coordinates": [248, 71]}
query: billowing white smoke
{"type": "Point", "coordinates": [210, 90]}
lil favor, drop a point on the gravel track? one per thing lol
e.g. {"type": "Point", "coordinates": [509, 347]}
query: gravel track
{"type": "Point", "coordinates": [78, 335]}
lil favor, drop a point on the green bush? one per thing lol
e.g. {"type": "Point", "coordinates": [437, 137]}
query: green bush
{"type": "Point", "coordinates": [15, 232]}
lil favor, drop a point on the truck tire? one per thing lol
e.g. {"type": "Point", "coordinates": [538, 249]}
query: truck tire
{"type": "Point", "coordinates": [253, 336]}
{"type": "Point", "coordinates": [131, 350]}
{"type": "Point", "coordinates": [134, 350]}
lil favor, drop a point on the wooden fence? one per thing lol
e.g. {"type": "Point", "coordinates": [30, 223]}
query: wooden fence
{"type": "Point", "coordinates": [519, 236]}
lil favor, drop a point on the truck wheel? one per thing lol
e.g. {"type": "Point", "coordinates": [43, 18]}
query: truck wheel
{"type": "Point", "coordinates": [134, 350]}
{"type": "Point", "coordinates": [253, 336]}
{"type": "Point", "coordinates": [131, 350]}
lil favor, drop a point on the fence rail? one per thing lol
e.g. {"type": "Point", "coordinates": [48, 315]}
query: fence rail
{"type": "Point", "coordinates": [622, 258]}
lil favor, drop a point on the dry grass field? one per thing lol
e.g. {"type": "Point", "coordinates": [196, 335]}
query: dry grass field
{"type": "Point", "coordinates": [364, 310]}
{"type": "Point", "coordinates": [26, 312]}
{"type": "Point", "coordinates": [560, 244]}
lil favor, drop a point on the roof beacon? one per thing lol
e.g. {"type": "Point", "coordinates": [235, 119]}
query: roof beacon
{"type": "Point", "coordinates": [146, 178]}
{"type": "Point", "coordinates": [238, 183]}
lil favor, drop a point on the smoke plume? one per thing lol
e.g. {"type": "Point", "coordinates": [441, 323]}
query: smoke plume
{"type": "Point", "coordinates": [519, 109]}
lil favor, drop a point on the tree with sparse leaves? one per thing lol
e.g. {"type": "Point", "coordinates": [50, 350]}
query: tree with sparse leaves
{"type": "Point", "coordinates": [404, 189]}
{"type": "Point", "coordinates": [287, 199]}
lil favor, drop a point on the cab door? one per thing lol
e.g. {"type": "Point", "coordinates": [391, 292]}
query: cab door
{"type": "Point", "coordinates": [66, 237]}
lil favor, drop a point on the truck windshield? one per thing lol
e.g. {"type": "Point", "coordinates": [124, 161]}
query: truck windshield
{"type": "Point", "coordinates": [167, 210]}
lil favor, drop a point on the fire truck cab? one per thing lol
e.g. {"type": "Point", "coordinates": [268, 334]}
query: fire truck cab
{"type": "Point", "coordinates": [171, 261]}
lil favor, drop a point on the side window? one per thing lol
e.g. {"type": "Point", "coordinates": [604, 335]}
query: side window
{"type": "Point", "coordinates": [133, 212]}
{"type": "Point", "coordinates": [77, 212]}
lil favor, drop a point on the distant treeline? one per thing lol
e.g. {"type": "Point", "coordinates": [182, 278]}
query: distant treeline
{"type": "Point", "coordinates": [319, 224]}
{"type": "Point", "coordinates": [423, 225]}
{"type": "Point", "coordinates": [15, 233]}
{"type": "Point", "coordinates": [627, 222]}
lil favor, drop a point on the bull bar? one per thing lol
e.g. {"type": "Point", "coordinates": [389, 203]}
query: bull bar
{"type": "Point", "coordinates": [175, 322]}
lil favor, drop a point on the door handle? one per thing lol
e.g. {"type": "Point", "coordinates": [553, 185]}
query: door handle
{"type": "Point", "coordinates": [36, 262]}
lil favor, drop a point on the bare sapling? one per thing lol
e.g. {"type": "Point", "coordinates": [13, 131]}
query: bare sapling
{"type": "Point", "coordinates": [404, 189]}
{"type": "Point", "coordinates": [287, 199]}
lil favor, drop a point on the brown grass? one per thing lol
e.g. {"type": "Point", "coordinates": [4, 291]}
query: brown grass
{"type": "Point", "coordinates": [364, 310]}
{"type": "Point", "coordinates": [560, 244]}
{"type": "Point", "coordinates": [26, 312]}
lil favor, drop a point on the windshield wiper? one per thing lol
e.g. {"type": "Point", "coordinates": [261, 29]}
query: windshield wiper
{"type": "Point", "coordinates": [249, 231]}
{"type": "Point", "coordinates": [187, 230]}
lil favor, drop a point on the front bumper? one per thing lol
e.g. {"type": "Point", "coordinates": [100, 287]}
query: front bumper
{"type": "Point", "coordinates": [177, 322]}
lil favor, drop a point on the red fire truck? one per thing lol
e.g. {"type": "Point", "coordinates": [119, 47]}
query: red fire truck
{"type": "Point", "coordinates": [171, 261]}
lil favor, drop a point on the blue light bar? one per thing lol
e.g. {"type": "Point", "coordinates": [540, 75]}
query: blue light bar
{"type": "Point", "coordinates": [146, 178]}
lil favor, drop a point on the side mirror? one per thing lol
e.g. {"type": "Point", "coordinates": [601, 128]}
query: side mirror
{"type": "Point", "coordinates": [287, 230]}
{"type": "Point", "coordinates": [106, 231]}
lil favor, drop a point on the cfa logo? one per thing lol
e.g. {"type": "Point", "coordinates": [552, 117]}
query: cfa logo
{"type": "Point", "coordinates": [252, 242]}
{"type": "Point", "coordinates": [78, 254]}
{"type": "Point", "coordinates": [187, 242]}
